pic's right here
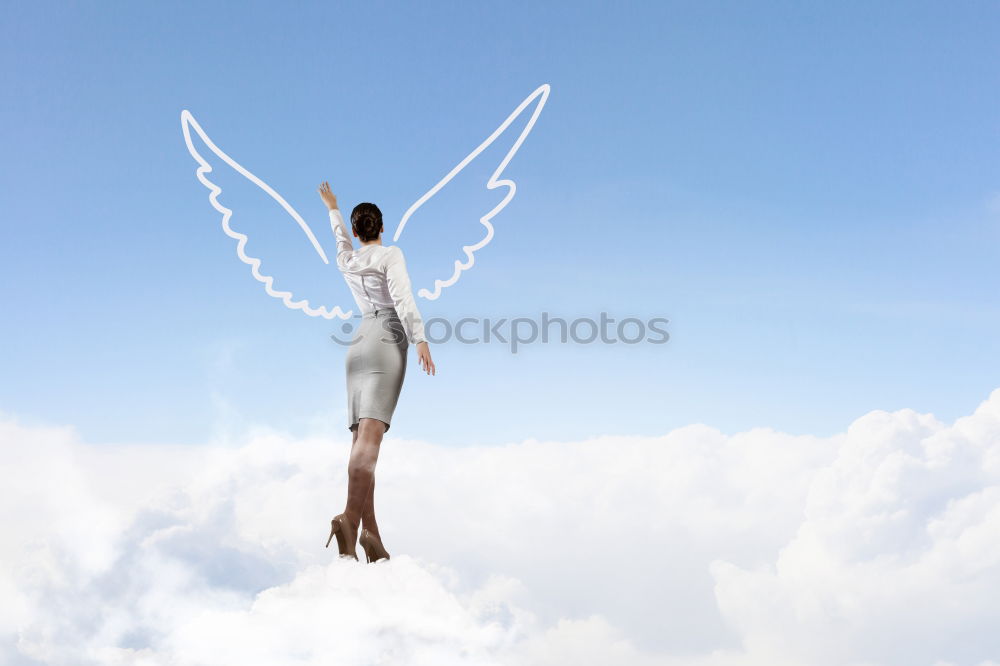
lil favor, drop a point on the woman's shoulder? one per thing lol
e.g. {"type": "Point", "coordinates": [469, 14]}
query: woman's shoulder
{"type": "Point", "coordinates": [393, 251]}
{"type": "Point", "coordinates": [388, 255]}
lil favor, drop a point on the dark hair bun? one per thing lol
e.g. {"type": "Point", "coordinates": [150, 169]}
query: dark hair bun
{"type": "Point", "coordinates": [366, 219]}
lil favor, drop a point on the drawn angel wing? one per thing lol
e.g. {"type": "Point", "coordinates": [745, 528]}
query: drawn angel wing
{"type": "Point", "coordinates": [539, 96]}
{"type": "Point", "coordinates": [188, 123]}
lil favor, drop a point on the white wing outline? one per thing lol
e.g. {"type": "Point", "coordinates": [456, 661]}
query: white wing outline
{"type": "Point", "coordinates": [543, 92]}
{"type": "Point", "coordinates": [187, 124]}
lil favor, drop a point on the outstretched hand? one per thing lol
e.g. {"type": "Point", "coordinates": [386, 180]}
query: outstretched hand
{"type": "Point", "coordinates": [424, 356]}
{"type": "Point", "coordinates": [329, 198]}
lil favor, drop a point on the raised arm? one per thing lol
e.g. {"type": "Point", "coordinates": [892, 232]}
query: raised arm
{"type": "Point", "coordinates": [345, 246]}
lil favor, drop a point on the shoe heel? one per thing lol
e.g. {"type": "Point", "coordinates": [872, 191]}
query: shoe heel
{"type": "Point", "coordinates": [374, 551]}
{"type": "Point", "coordinates": [366, 542]}
{"type": "Point", "coordinates": [337, 528]}
{"type": "Point", "coordinates": [333, 530]}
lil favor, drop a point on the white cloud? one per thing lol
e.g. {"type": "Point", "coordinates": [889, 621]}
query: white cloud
{"type": "Point", "coordinates": [878, 546]}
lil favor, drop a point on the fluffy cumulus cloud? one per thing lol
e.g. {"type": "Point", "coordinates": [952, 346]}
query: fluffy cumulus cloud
{"type": "Point", "coordinates": [878, 546]}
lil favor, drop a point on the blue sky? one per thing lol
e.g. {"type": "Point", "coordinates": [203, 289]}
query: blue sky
{"type": "Point", "coordinates": [811, 196]}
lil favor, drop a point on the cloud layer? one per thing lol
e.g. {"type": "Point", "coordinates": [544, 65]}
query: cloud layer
{"type": "Point", "coordinates": [880, 545]}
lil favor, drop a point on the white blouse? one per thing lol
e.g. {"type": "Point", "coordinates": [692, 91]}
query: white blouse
{"type": "Point", "coordinates": [377, 277]}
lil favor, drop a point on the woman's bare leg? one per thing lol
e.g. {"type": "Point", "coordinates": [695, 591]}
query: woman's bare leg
{"type": "Point", "coordinates": [361, 470]}
{"type": "Point", "coordinates": [368, 513]}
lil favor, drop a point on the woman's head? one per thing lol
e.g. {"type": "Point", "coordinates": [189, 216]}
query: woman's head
{"type": "Point", "coordinates": [366, 220]}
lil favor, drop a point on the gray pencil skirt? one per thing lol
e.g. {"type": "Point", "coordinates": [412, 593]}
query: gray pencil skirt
{"type": "Point", "coordinates": [376, 365]}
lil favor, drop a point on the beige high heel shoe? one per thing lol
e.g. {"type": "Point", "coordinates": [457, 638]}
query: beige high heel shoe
{"type": "Point", "coordinates": [374, 550]}
{"type": "Point", "coordinates": [345, 535]}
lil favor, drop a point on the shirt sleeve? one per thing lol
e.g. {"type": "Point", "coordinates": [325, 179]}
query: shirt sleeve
{"type": "Point", "coordinates": [402, 295]}
{"type": "Point", "coordinates": [345, 246]}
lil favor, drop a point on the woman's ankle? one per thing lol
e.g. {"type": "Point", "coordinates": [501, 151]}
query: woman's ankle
{"type": "Point", "coordinates": [352, 519]}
